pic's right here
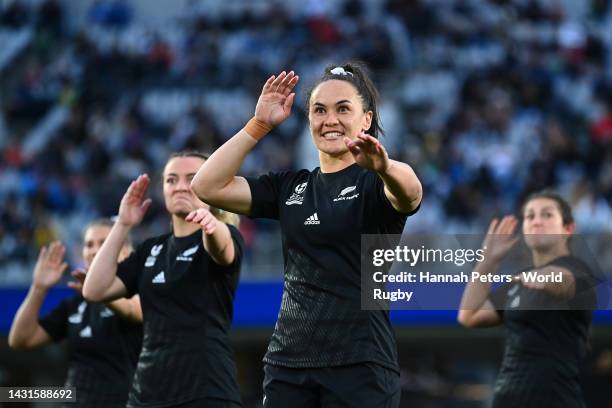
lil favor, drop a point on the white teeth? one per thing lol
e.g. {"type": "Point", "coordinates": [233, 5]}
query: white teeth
{"type": "Point", "coordinates": [332, 135]}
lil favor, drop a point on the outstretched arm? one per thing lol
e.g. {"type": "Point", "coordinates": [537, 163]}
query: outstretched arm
{"type": "Point", "coordinates": [216, 182]}
{"type": "Point", "coordinates": [402, 186]}
{"type": "Point", "coordinates": [217, 239]}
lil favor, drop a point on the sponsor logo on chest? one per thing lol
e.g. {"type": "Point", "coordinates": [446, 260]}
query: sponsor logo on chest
{"type": "Point", "coordinates": [187, 255]}
{"type": "Point", "coordinates": [347, 194]}
{"type": "Point", "coordinates": [312, 220]}
{"type": "Point", "coordinates": [297, 197]}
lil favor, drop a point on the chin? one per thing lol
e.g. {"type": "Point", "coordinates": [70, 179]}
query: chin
{"type": "Point", "coordinates": [542, 242]}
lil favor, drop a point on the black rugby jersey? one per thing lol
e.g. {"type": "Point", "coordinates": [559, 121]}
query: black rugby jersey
{"type": "Point", "coordinates": [544, 348]}
{"type": "Point", "coordinates": [187, 305]}
{"type": "Point", "coordinates": [322, 217]}
{"type": "Point", "coordinates": [103, 350]}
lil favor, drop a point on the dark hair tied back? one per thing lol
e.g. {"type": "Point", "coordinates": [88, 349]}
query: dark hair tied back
{"type": "Point", "coordinates": [357, 74]}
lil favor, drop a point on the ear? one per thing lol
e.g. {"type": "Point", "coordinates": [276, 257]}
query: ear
{"type": "Point", "coordinates": [367, 121]}
{"type": "Point", "coordinates": [570, 229]}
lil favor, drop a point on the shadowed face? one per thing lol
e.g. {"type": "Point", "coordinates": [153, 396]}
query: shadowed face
{"type": "Point", "coordinates": [92, 242]}
{"type": "Point", "coordinates": [543, 223]}
{"type": "Point", "coordinates": [178, 197]}
{"type": "Point", "coordinates": [335, 110]}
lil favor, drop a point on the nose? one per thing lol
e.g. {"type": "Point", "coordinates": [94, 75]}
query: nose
{"type": "Point", "coordinates": [330, 119]}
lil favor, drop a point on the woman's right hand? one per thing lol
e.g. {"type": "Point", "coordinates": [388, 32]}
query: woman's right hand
{"type": "Point", "coordinates": [276, 99]}
{"type": "Point", "coordinates": [50, 266]}
{"type": "Point", "coordinates": [500, 238]}
{"type": "Point", "coordinates": [133, 204]}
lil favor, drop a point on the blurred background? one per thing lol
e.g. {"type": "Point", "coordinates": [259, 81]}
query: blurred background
{"type": "Point", "coordinates": [488, 100]}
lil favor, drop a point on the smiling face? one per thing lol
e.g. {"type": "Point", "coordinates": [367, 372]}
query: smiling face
{"type": "Point", "coordinates": [543, 224]}
{"type": "Point", "coordinates": [335, 110]}
{"type": "Point", "coordinates": [178, 197]}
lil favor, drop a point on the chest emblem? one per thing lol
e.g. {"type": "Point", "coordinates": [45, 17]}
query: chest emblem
{"type": "Point", "coordinates": [153, 256]}
{"type": "Point", "coordinates": [106, 312]}
{"type": "Point", "coordinates": [515, 302]}
{"type": "Point", "coordinates": [312, 220]}
{"type": "Point", "coordinates": [86, 332]}
{"type": "Point", "coordinates": [186, 255]}
{"type": "Point", "coordinates": [77, 317]}
{"type": "Point", "coordinates": [345, 194]}
{"type": "Point", "coordinates": [159, 278]}
{"type": "Point", "coordinates": [297, 197]}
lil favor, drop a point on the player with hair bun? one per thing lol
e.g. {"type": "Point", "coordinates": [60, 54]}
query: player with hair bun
{"type": "Point", "coordinates": [187, 280]}
{"type": "Point", "coordinates": [325, 350]}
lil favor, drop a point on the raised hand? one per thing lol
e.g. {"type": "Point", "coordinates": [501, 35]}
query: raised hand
{"type": "Point", "coordinates": [50, 265]}
{"type": "Point", "coordinates": [133, 204]}
{"type": "Point", "coordinates": [368, 152]}
{"type": "Point", "coordinates": [77, 284]}
{"type": "Point", "coordinates": [276, 99]}
{"type": "Point", "coordinates": [204, 218]}
{"type": "Point", "coordinates": [500, 238]}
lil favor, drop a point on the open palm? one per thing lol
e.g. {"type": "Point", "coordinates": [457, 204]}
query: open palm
{"type": "Point", "coordinates": [368, 152]}
{"type": "Point", "coordinates": [500, 238]}
{"type": "Point", "coordinates": [50, 265]}
{"type": "Point", "coordinates": [133, 204]}
{"type": "Point", "coordinates": [276, 99]}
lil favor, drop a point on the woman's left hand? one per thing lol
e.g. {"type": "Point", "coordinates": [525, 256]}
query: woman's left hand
{"type": "Point", "coordinates": [368, 152]}
{"type": "Point", "coordinates": [204, 217]}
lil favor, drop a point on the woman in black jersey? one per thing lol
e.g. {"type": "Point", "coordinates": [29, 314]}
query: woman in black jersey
{"type": "Point", "coordinates": [325, 350]}
{"type": "Point", "coordinates": [544, 346]}
{"type": "Point", "coordinates": [186, 280]}
{"type": "Point", "coordinates": [103, 340]}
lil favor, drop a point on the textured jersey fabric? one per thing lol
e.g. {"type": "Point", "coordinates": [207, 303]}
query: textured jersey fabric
{"type": "Point", "coordinates": [187, 303]}
{"type": "Point", "coordinates": [322, 217]}
{"type": "Point", "coordinates": [103, 350]}
{"type": "Point", "coordinates": [544, 348]}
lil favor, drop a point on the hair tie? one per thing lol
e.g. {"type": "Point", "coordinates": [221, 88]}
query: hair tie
{"type": "Point", "coordinates": [340, 71]}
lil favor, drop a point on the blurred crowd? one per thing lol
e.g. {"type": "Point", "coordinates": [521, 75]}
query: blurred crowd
{"type": "Point", "coordinates": [487, 100]}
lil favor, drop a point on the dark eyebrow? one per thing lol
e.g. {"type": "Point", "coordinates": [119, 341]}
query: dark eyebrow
{"type": "Point", "coordinates": [176, 175]}
{"type": "Point", "coordinates": [337, 103]}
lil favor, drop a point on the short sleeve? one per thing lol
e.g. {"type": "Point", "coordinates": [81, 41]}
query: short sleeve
{"type": "Point", "coordinates": [265, 193]}
{"type": "Point", "coordinates": [129, 270]}
{"type": "Point", "coordinates": [56, 322]}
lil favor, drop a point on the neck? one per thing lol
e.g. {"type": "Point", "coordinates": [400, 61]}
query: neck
{"type": "Point", "coordinates": [182, 228]}
{"type": "Point", "coordinates": [545, 256]}
{"type": "Point", "coordinates": [332, 164]}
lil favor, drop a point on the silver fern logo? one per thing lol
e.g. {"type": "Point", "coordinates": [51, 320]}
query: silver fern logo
{"type": "Point", "coordinates": [344, 194]}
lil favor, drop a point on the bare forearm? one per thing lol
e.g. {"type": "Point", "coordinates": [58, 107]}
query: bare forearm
{"type": "Point", "coordinates": [221, 168]}
{"type": "Point", "coordinates": [219, 245]}
{"type": "Point", "coordinates": [477, 292]}
{"type": "Point", "coordinates": [402, 186]}
{"type": "Point", "coordinates": [103, 269]}
{"type": "Point", "coordinates": [128, 309]}
{"type": "Point", "coordinates": [26, 319]}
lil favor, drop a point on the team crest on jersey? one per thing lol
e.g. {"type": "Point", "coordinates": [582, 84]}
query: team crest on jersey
{"type": "Point", "coordinates": [77, 317]}
{"type": "Point", "coordinates": [345, 194]}
{"type": "Point", "coordinates": [106, 312]}
{"type": "Point", "coordinates": [186, 255]}
{"type": "Point", "coordinates": [297, 197]}
{"type": "Point", "coordinates": [153, 257]}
